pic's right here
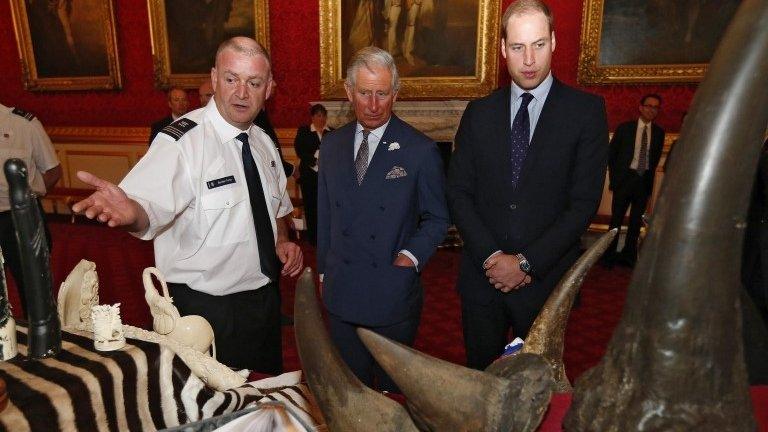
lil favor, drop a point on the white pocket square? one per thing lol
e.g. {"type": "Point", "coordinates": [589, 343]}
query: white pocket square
{"type": "Point", "coordinates": [396, 172]}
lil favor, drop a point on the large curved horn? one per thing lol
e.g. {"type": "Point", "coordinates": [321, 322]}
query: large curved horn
{"type": "Point", "coordinates": [675, 360]}
{"type": "Point", "coordinates": [547, 334]}
{"type": "Point", "coordinates": [347, 404]}
{"type": "Point", "coordinates": [443, 396]}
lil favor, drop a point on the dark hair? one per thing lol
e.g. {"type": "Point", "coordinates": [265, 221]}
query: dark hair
{"type": "Point", "coordinates": [650, 95]}
{"type": "Point", "coordinates": [520, 7]}
{"type": "Point", "coordinates": [317, 108]}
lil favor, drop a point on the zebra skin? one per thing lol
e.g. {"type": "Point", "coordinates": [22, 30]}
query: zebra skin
{"type": "Point", "coordinates": [142, 387]}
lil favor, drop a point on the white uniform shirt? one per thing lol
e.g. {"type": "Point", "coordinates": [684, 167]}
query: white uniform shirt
{"type": "Point", "coordinates": [24, 139]}
{"type": "Point", "coordinates": [195, 195]}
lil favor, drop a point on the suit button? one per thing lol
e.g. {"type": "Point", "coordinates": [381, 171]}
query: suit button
{"type": "Point", "coordinates": [374, 265]}
{"type": "Point", "coordinates": [346, 261]}
{"type": "Point", "coordinates": [382, 208]}
{"type": "Point", "coordinates": [512, 206]}
{"type": "Point", "coordinates": [345, 233]}
{"type": "Point", "coordinates": [338, 204]}
{"type": "Point", "coordinates": [373, 237]}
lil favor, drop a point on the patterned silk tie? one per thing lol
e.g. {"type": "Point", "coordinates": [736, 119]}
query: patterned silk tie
{"type": "Point", "coordinates": [521, 132]}
{"type": "Point", "coordinates": [261, 221]}
{"type": "Point", "coordinates": [361, 160]}
{"type": "Point", "coordinates": [642, 158]}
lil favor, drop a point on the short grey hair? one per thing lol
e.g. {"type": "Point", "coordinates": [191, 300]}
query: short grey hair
{"type": "Point", "coordinates": [369, 57]}
{"type": "Point", "coordinates": [244, 45]}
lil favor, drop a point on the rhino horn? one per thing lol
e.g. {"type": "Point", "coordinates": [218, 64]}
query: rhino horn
{"type": "Point", "coordinates": [346, 403]}
{"type": "Point", "coordinates": [675, 360]}
{"type": "Point", "coordinates": [444, 396]}
{"type": "Point", "coordinates": [547, 334]}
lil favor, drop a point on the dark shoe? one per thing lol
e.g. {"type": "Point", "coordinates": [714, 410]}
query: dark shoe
{"type": "Point", "coordinates": [608, 261]}
{"type": "Point", "coordinates": [626, 261]}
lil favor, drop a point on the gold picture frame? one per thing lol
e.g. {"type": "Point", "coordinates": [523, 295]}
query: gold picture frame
{"type": "Point", "coordinates": [185, 37]}
{"type": "Point", "coordinates": [67, 45]}
{"type": "Point", "coordinates": [653, 42]}
{"type": "Point", "coordinates": [429, 74]}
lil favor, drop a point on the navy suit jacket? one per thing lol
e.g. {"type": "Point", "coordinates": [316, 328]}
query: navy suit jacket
{"type": "Point", "coordinates": [362, 228]}
{"type": "Point", "coordinates": [622, 151]}
{"type": "Point", "coordinates": [559, 189]}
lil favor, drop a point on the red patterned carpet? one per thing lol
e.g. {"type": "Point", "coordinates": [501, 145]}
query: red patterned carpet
{"type": "Point", "coordinates": [120, 259]}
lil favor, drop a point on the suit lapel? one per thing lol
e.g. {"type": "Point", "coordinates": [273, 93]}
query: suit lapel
{"type": "Point", "coordinates": [347, 173]}
{"type": "Point", "coordinates": [501, 145]}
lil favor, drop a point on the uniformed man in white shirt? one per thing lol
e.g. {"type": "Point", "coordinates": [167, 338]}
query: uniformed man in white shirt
{"type": "Point", "coordinates": [22, 136]}
{"type": "Point", "coordinates": [213, 197]}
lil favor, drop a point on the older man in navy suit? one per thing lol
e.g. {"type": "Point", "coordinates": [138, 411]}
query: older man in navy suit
{"type": "Point", "coordinates": [381, 215]}
{"type": "Point", "coordinates": [523, 185]}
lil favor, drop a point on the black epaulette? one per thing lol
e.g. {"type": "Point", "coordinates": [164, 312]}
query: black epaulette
{"type": "Point", "coordinates": [178, 128]}
{"type": "Point", "coordinates": [20, 112]}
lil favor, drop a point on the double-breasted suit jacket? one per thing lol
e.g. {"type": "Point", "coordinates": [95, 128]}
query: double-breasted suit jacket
{"type": "Point", "coordinates": [558, 192]}
{"type": "Point", "coordinates": [362, 228]}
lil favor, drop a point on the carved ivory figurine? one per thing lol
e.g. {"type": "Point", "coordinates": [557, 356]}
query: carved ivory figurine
{"type": "Point", "coordinates": [191, 331]}
{"type": "Point", "coordinates": [108, 333]}
{"type": "Point", "coordinates": [78, 294]}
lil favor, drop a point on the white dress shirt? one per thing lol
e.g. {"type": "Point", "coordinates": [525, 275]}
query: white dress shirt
{"type": "Point", "coordinates": [196, 197]}
{"type": "Point", "coordinates": [638, 138]}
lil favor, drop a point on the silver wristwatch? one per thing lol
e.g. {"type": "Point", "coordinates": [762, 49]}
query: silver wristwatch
{"type": "Point", "coordinates": [525, 266]}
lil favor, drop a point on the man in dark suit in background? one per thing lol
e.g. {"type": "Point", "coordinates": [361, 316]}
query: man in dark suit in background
{"type": "Point", "coordinates": [307, 145]}
{"type": "Point", "coordinates": [523, 185]}
{"type": "Point", "coordinates": [634, 154]}
{"type": "Point", "coordinates": [178, 103]}
{"type": "Point", "coordinates": [381, 216]}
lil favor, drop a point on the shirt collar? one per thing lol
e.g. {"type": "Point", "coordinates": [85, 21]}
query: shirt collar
{"type": "Point", "coordinates": [378, 132]}
{"type": "Point", "coordinates": [314, 129]}
{"type": "Point", "coordinates": [642, 122]}
{"type": "Point", "coordinates": [224, 130]}
{"type": "Point", "coordinates": [4, 109]}
{"type": "Point", "coordinates": [539, 93]}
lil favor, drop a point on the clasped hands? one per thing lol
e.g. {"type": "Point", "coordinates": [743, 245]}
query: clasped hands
{"type": "Point", "coordinates": [503, 272]}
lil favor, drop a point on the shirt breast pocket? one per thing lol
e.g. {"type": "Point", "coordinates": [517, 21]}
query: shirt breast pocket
{"type": "Point", "coordinates": [229, 218]}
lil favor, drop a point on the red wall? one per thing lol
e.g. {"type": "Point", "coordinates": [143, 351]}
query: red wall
{"type": "Point", "coordinates": [295, 53]}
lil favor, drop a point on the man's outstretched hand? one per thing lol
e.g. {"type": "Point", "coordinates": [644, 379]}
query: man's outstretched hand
{"type": "Point", "coordinates": [109, 204]}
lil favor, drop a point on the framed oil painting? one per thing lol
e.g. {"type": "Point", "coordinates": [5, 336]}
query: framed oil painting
{"type": "Point", "coordinates": [186, 34]}
{"type": "Point", "coordinates": [67, 44]}
{"type": "Point", "coordinates": [443, 48]}
{"type": "Point", "coordinates": [650, 41]}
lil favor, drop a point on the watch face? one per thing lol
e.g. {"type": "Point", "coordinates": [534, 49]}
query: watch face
{"type": "Point", "coordinates": [525, 266]}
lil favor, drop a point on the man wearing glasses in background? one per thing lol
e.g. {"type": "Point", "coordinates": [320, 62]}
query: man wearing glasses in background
{"type": "Point", "coordinates": [634, 154]}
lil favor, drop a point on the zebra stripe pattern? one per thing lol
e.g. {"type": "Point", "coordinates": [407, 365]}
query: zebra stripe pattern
{"type": "Point", "coordinates": [142, 387]}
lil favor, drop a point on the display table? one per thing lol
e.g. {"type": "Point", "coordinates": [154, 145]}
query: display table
{"type": "Point", "coordinates": [141, 387]}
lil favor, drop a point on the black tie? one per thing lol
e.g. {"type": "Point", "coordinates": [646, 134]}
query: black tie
{"type": "Point", "coordinates": [642, 158]}
{"type": "Point", "coordinates": [264, 234]}
{"type": "Point", "coordinates": [521, 131]}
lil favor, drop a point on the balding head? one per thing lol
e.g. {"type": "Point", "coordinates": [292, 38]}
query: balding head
{"type": "Point", "coordinates": [245, 46]}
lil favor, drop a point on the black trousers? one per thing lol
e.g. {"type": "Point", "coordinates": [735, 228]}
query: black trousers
{"type": "Point", "coordinates": [487, 326]}
{"type": "Point", "coordinates": [632, 194]}
{"type": "Point", "coordinates": [246, 325]}
{"type": "Point", "coordinates": [308, 184]}
{"type": "Point", "coordinates": [10, 250]}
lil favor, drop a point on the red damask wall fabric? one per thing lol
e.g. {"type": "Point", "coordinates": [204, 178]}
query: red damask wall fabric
{"type": "Point", "coordinates": [294, 34]}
